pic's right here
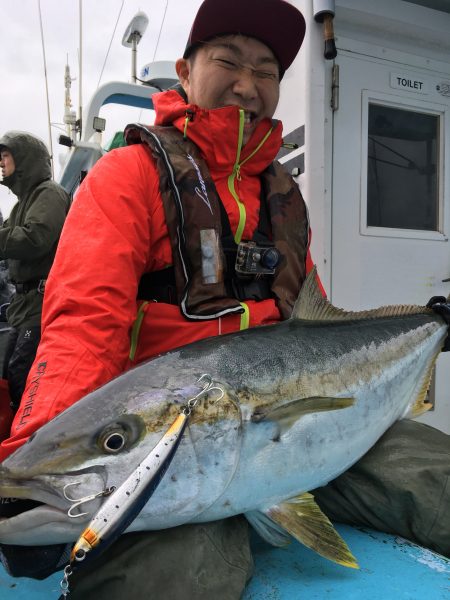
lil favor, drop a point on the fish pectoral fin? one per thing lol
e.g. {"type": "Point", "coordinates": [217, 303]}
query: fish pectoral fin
{"type": "Point", "coordinates": [268, 529]}
{"type": "Point", "coordinates": [304, 520]}
{"type": "Point", "coordinates": [288, 414]}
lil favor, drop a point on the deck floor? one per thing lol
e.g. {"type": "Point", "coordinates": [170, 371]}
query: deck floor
{"type": "Point", "coordinates": [390, 569]}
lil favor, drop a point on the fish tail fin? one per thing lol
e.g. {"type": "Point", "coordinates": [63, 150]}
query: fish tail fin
{"type": "Point", "coordinates": [302, 519]}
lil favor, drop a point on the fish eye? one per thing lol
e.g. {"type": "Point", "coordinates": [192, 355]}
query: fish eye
{"type": "Point", "coordinates": [114, 442]}
{"type": "Point", "coordinates": [113, 439]}
{"type": "Point", "coordinates": [120, 435]}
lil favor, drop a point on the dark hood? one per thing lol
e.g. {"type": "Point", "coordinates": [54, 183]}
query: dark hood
{"type": "Point", "coordinates": [32, 162]}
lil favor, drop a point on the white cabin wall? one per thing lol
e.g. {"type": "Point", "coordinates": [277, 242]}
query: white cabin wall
{"type": "Point", "coordinates": [360, 268]}
{"type": "Point", "coordinates": [305, 100]}
{"type": "Point", "coordinates": [376, 27]}
{"type": "Point", "coordinates": [374, 41]}
{"type": "Point", "coordinates": [406, 33]}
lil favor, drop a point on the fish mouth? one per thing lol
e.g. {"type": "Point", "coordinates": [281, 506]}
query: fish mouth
{"type": "Point", "coordinates": [31, 528]}
{"type": "Point", "coordinates": [61, 507]}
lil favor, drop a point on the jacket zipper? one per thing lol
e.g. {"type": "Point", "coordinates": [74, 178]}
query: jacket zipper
{"type": "Point", "coordinates": [236, 174]}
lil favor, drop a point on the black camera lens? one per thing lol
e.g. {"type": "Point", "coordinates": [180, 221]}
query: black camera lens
{"type": "Point", "coordinates": [270, 258]}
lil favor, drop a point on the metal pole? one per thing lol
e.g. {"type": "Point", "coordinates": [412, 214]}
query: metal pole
{"type": "Point", "coordinates": [80, 75]}
{"type": "Point", "coordinates": [46, 90]}
{"type": "Point", "coordinates": [133, 58]}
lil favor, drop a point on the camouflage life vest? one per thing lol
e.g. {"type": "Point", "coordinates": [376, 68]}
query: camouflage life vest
{"type": "Point", "coordinates": [195, 220]}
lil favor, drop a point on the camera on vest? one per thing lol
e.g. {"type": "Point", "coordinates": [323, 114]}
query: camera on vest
{"type": "Point", "coordinates": [256, 260]}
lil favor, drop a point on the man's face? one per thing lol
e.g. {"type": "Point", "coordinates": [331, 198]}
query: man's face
{"type": "Point", "coordinates": [6, 163]}
{"type": "Point", "coordinates": [233, 70]}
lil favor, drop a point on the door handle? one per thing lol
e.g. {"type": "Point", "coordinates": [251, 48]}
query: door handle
{"type": "Point", "coordinates": [446, 280]}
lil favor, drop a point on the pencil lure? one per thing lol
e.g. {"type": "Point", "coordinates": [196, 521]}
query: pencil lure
{"type": "Point", "coordinates": [126, 502]}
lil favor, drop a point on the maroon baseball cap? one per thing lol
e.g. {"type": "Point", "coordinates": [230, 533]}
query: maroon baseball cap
{"type": "Point", "coordinates": [276, 23]}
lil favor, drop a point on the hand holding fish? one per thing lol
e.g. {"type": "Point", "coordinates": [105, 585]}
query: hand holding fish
{"type": "Point", "coordinates": [441, 305]}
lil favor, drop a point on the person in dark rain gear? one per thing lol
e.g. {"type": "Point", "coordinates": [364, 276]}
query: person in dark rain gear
{"type": "Point", "coordinates": [28, 241]}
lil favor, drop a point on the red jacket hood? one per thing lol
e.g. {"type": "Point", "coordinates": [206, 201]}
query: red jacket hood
{"type": "Point", "coordinates": [216, 133]}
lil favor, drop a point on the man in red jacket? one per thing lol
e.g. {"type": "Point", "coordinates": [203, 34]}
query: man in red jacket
{"type": "Point", "coordinates": [163, 219]}
{"type": "Point", "coordinates": [221, 117]}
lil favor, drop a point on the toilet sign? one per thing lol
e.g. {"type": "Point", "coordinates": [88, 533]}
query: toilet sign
{"type": "Point", "coordinates": [410, 83]}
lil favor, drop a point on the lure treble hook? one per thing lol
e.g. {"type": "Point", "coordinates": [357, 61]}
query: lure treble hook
{"type": "Point", "coordinates": [77, 502]}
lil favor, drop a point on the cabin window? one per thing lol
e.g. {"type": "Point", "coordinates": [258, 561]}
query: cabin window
{"type": "Point", "coordinates": [402, 169]}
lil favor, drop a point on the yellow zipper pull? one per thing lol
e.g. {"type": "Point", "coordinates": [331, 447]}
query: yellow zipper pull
{"type": "Point", "coordinates": [189, 117]}
{"type": "Point", "coordinates": [186, 123]}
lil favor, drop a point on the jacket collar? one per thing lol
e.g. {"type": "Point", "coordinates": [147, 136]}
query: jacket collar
{"type": "Point", "coordinates": [216, 133]}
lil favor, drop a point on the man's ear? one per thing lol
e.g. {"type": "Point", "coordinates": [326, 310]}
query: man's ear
{"type": "Point", "coordinates": [182, 67]}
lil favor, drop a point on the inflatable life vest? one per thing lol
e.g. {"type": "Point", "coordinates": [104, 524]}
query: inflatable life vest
{"type": "Point", "coordinates": [196, 227]}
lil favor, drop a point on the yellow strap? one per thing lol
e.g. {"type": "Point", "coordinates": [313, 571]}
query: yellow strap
{"type": "Point", "coordinates": [245, 317]}
{"type": "Point", "coordinates": [136, 329]}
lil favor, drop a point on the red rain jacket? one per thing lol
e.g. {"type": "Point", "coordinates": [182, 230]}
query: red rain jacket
{"type": "Point", "coordinates": [114, 233]}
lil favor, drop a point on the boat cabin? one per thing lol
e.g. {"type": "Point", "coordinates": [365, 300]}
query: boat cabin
{"type": "Point", "coordinates": [373, 129]}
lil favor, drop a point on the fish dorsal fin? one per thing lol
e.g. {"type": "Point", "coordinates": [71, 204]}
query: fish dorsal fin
{"type": "Point", "coordinates": [304, 520]}
{"type": "Point", "coordinates": [312, 306]}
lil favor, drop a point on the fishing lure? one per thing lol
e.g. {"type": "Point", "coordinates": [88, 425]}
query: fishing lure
{"type": "Point", "coordinates": [124, 504]}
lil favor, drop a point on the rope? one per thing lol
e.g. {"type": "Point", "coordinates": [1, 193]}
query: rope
{"type": "Point", "coordinates": [157, 44]}
{"type": "Point", "coordinates": [160, 29]}
{"type": "Point", "coordinates": [110, 43]}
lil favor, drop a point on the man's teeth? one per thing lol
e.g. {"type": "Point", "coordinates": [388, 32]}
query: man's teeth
{"type": "Point", "coordinates": [248, 117]}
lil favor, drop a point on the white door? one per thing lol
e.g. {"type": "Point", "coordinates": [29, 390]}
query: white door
{"type": "Point", "coordinates": [391, 193]}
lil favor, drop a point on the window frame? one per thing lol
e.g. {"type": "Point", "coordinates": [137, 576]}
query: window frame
{"type": "Point", "coordinates": [438, 110]}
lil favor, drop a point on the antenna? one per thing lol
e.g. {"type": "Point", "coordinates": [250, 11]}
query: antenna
{"type": "Point", "coordinates": [70, 117]}
{"type": "Point", "coordinates": [132, 37]}
{"type": "Point", "coordinates": [80, 74]}
{"type": "Point", "coordinates": [46, 89]}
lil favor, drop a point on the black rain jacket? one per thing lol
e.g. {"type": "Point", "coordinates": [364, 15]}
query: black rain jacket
{"type": "Point", "coordinates": [29, 237]}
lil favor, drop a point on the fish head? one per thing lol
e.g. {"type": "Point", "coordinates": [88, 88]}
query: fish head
{"type": "Point", "coordinates": [78, 458]}
{"type": "Point", "coordinates": [81, 453]}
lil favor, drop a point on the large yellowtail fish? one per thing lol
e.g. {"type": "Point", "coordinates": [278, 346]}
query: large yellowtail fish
{"type": "Point", "coordinates": [288, 408]}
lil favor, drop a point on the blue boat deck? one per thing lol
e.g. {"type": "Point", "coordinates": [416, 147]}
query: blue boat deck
{"type": "Point", "coordinates": [390, 569]}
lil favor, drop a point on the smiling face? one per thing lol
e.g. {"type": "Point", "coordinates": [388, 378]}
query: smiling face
{"type": "Point", "coordinates": [7, 164]}
{"type": "Point", "coordinates": [233, 70]}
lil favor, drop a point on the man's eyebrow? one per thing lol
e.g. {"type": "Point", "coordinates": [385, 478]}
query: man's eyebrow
{"type": "Point", "coordinates": [239, 53]}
